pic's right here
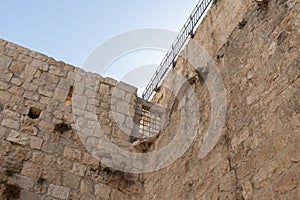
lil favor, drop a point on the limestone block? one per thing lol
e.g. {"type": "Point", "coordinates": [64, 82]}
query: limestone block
{"type": "Point", "coordinates": [36, 143]}
{"type": "Point", "coordinates": [43, 125]}
{"type": "Point", "coordinates": [58, 191]}
{"type": "Point", "coordinates": [116, 194]}
{"type": "Point", "coordinates": [30, 87]}
{"type": "Point", "coordinates": [79, 169]}
{"type": "Point", "coordinates": [79, 88]}
{"type": "Point", "coordinates": [58, 71]}
{"type": "Point", "coordinates": [37, 157]}
{"type": "Point", "coordinates": [5, 61]}
{"type": "Point", "coordinates": [88, 159]}
{"type": "Point", "coordinates": [126, 87]}
{"type": "Point", "coordinates": [86, 187]}
{"type": "Point", "coordinates": [16, 81]}
{"type": "Point", "coordinates": [104, 88]}
{"type": "Point", "coordinates": [25, 58]}
{"type": "Point", "coordinates": [17, 137]}
{"type": "Point", "coordinates": [64, 83]}
{"type": "Point", "coordinates": [3, 85]}
{"type": "Point", "coordinates": [29, 73]}
{"type": "Point", "coordinates": [40, 64]}
{"type": "Point", "coordinates": [17, 67]}
{"type": "Point", "coordinates": [52, 175]}
{"type": "Point", "coordinates": [103, 191]}
{"type": "Point", "coordinates": [240, 137]}
{"type": "Point", "coordinates": [54, 148]}
{"type": "Point", "coordinates": [22, 181]}
{"type": "Point", "coordinates": [63, 163]}
{"type": "Point", "coordinates": [80, 102]}
{"type": "Point", "coordinates": [25, 194]}
{"type": "Point", "coordinates": [45, 92]}
{"type": "Point", "coordinates": [70, 180]}
{"type": "Point", "coordinates": [60, 95]}
{"type": "Point", "coordinates": [31, 95]}
{"type": "Point", "coordinates": [10, 124]}
{"type": "Point", "coordinates": [118, 93]}
{"type": "Point", "coordinates": [4, 96]}
{"type": "Point", "coordinates": [6, 77]}
{"type": "Point", "coordinates": [31, 130]}
{"type": "Point", "coordinates": [110, 81]}
{"type": "Point", "coordinates": [73, 155]}
{"type": "Point", "coordinates": [31, 170]}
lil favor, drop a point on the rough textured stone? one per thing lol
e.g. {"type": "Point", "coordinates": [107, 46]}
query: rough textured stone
{"type": "Point", "coordinates": [86, 187]}
{"type": "Point", "coordinates": [102, 190]}
{"type": "Point", "coordinates": [17, 137]}
{"type": "Point", "coordinates": [5, 61]}
{"type": "Point", "coordinates": [22, 181]}
{"type": "Point", "coordinates": [10, 124]}
{"type": "Point", "coordinates": [255, 157]}
{"type": "Point", "coordinates": [79, 169]}
{"type": "Point", "coordinates": [72, 154]}
{"type": "Point", "coordinates": [70, 180]}
{"type": "Point", "coordinates": [58, 191]}
{"type": "Point", "coordinates": [31, 170]}
{"type": "Point", "coordinates": [36, 143]}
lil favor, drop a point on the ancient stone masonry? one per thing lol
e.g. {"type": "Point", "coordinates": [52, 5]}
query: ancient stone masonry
{"type": "Point", "coordinates": [255, 46]}
{"type": "Point", "coordinates": [43, 152]}
{"type": "Point", "coordinates": [54, 117]}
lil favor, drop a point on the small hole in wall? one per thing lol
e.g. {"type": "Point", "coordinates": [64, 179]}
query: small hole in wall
{"type": "Point", "coordinates": [34, 113]}
{"type": "Point", "coordinates": [70, 95]}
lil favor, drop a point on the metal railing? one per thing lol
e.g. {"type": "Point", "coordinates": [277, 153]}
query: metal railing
{"type": "Point", "coordinates": [169, 60]}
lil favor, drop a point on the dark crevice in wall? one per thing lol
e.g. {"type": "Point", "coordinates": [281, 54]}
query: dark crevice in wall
{"type": "Point", "coordinates": [34, 113]}
{"type": "Point", "coordinates": [62, 127]}
{"type": "Point", "coordinates": [70, 95]}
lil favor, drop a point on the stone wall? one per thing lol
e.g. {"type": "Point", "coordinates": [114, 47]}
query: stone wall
{"type": "Point", "coordinates": [53, 117]}
{"type": "Point", "coordinates": [44, 154]}
{"type": "Point", "coordinates": [257, 156]}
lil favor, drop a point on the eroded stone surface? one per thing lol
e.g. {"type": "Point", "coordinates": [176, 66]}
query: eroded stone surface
{"type": "Point", "coordinates": [256, 157]}
{"type": "Point", "coordinates": [58, 191]}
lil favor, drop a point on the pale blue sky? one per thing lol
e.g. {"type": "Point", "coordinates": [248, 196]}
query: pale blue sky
{"type": "Point", "coordinates": [70, 30]}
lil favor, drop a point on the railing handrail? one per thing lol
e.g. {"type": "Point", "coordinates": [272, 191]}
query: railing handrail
{"type": "Point", "coordinates": [169, 59]}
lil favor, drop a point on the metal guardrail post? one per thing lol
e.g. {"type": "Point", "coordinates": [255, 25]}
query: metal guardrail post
{"type": "Point", "coordinates": [186, 32]}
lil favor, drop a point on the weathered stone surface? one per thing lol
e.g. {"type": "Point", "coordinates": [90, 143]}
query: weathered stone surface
{"type": "Point", "coordinates": [79, 169]}
{"type": "Point", "coordinates": [102, 191]}
{"type": "Point", "coordinates": [88, 159]}
{"type": "Point", "coordinates": [5, 61]}
{"type": "Point", "coordinates": [116, 194]}
{"type": "Point", "coordinates": [22, 181]}
{"type": "Point", "coordinates": [86, 187]}
{"type": "Point", "coordinates": [17, 137]}
{"type": "Point", "coordinates": [10, 124]}
{"type": "Point", "coordinates": [36, 143]}
{"type": "Point", "coordinates": [16, 81]}
{"type": "Point", "coordinates": [70, 180]}
{"type": "Point", "coordinates": [255, 157]}
{"type": "Point", "coordinates": [31, 170]}
{"type": "Point", "coordinates": [73, 155]}
{"type": "Point", "coordinates": [58, 191]}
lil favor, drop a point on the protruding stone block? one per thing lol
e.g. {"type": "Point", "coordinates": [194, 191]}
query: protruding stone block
{"type": "Point", "coordinates": [17, 137]}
